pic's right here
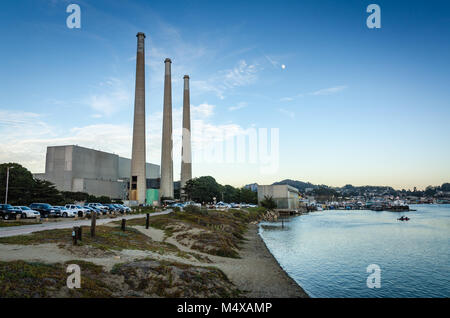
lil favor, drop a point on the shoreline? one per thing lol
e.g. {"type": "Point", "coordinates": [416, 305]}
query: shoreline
{"type": "Point", "coordinates": [258, 273]}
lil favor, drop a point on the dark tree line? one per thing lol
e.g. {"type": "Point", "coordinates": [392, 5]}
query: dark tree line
{"type": "Point", "coordinates": [24, 189]}
{"type": "Point", "coordinates": [205, 189]}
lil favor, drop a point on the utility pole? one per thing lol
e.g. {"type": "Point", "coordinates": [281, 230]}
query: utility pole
{"type": "Point", "coordinates": [7, 183]}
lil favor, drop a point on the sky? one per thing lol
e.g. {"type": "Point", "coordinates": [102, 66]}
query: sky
{"type": "Point", "coordinates": [329, 100]}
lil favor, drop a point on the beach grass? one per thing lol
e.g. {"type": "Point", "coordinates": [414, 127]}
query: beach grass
{"type": "Point", "coordinates": [106, 238]}
{"type": "Point", "coordinates": [17, 223]}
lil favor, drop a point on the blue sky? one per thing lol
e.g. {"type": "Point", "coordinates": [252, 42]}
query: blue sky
{"type": "Point", "coordinates": [352, 105]}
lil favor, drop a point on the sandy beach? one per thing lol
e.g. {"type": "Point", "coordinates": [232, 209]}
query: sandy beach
{"type": "Point", "coordinates": [258, 272]}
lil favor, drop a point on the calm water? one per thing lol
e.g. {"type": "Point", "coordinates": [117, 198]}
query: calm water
{"type": "Point", "coordinates": [328, 252]}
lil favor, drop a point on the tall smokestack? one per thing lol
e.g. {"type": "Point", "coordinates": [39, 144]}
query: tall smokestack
{"type": "Point", "coordinates": [138, 184]}
{"type": "Point", "coordinates": [166, 187]}
{"type": "Point", "coordinates": [186, 155]}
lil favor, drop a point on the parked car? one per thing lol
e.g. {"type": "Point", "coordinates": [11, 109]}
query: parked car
{"type": "Point", "coordinates": [93, 210]}
{"type": "Point", "coordinates": [124, 207]}
{"type": "Point", "coordinates": [248, 205]}
{"type": "Point", "coordinates": [222, 205]}
{"type": "Point", "coordinates": [66, 212]}
{"type": "Point", "coordinates": [26, 212]}
{"type": "Point", "coordinates": [80, 210]}
{"type": "Point", "coordinates": [168, 203]}
{"type": "Point", "coordinates": [45, 209]}
{"type": "Point", "coordinates": [98, 205]}
{"type": "Point", "coordinates": [112, 208]}
{"type": "Point", "coordinates": [120, 208]}
{"type": "Point", "coordinates": [185, 204]}
{"type": "Point", "coordinates": [176, 205]}
{"type": "Point", "coordinates": [8, 212]}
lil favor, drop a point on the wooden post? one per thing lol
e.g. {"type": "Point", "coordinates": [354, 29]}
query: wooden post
{"type": "Point", "coordinates": [282, 222]}
{"type": "Point", "coordinates": [80, 234]}
{"type": "Point", "coordinates": [93, 223]}
{"type": "Point", "coordinates": [74, 235]}
{"type": "Point", "coordinates": [123, 224]}
{"type": "Point", "coordinates": [147, 221]}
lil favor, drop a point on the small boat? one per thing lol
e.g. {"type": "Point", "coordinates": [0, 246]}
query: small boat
{"type": "Point", "coordinates": [403, 218]}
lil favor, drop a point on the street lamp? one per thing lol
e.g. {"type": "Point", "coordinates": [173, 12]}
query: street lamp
{"type": "Point", "coordinates": [7, 183]}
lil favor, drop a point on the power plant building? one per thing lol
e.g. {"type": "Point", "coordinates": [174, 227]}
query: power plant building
{"type": "Point", "coordinates": [78, 169]}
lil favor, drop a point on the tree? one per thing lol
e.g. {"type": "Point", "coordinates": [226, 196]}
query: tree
{"type": "Point", "coordinates": [45, 192]}
{"type": "Point", "coordinates": [203, 189]}
{"type": "Point", "coordinates": [268, 203]}
{"type": "Point", "coordinates": [430, 191]}
{"type": "Point", "coordinates": [23, 189]}
{"type": "Point", "coordinates": [230, 194]}
{"type": "Point", "coordinates": [324, 193]}
{"type": "Point", "coordinates": [248, 196]}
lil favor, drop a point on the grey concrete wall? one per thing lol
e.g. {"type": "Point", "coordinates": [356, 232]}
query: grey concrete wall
{"type": "Point", "coordinates": [94, 164]}
{"type": "Point", "coordinates": [74, 168]}
{"type": "Point", "coordinates": [58, 167]}
{"type": "Point", "coordinates": [285, 196]}
{"type": "Point", "coordinates": [152, 171]}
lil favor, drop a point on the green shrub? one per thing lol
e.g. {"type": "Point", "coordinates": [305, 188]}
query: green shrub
{"type": "Point", "coordinates": [192, 209]}
{"type": "Point", "coordinates": [269, 203]}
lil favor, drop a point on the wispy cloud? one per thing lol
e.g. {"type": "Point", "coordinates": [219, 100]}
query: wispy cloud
{"type": "Point", "coordinates": [329, 91]}
{"type": "Point", "coordinates": [320, 92]}
{"type": "Point", "coordinates": [238, 106]}
{"type": "Point", "coordinates": [271, 61]}
{"type": "Point", "coordinates": [242, 74]}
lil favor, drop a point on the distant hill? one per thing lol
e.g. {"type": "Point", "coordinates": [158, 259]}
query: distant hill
{"type": "Point", "coordinates": [300, 185]}
{"type": "Point", "coordinates": [350, 190]}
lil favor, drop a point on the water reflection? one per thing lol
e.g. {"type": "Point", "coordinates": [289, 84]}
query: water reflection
{"type": "Point", "coordinates": [328, 252]}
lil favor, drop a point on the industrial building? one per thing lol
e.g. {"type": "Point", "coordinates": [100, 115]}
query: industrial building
{"type": "Point", "coordinates": [78, 169]}
{"type": "Point", "coordinates": [285, 196]}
